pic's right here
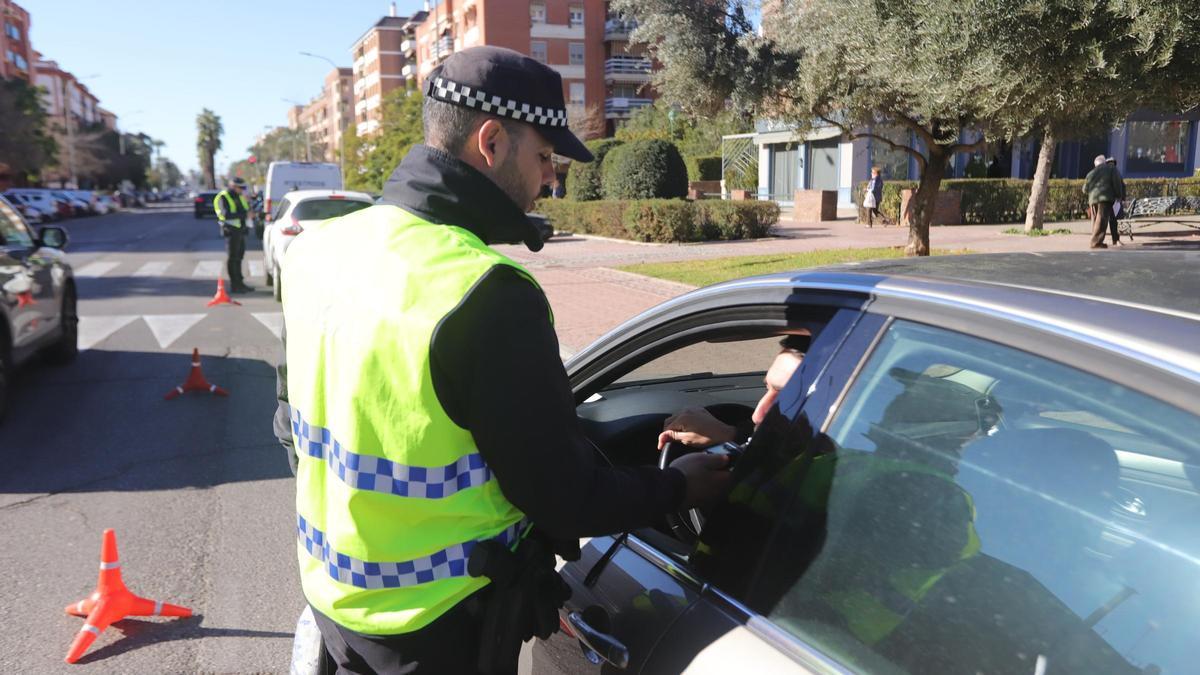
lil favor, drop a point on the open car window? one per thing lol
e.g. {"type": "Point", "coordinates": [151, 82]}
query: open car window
{"type": "Point", "coordinates": [708, 359]}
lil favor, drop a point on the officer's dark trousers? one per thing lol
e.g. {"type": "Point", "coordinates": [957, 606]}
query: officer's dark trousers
{"type": "Point", "coordinates": [235, 249]}
{"type": "Point", "coordinates": [448, 645]}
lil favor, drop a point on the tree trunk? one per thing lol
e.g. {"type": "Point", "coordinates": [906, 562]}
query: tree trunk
{"type": "Point", "coordinates": [210, 172]}
{"type": "Point", "coordinates": [923, 202]}
{"type": "Point", "coordinates": [1035, 215]}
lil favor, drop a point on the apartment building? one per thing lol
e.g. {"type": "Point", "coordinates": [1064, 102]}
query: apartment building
{"type": "Point", "coordinates": [604, 80]}
{"type": "Point", "coordinates": [326, 117]}
{"type": "Point", "coordinates": [383, 61]}
{"type": "Point", "coordinates": [17, 58]}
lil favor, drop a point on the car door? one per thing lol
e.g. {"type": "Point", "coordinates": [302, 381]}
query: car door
{"type": "Point", "coordinates": [25, 280]}
{"type": "Point", "coordinates": [985, 509]}
{"type": "Point", "coordinates": [627, 591]}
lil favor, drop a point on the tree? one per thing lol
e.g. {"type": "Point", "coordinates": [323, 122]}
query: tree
{"type": "Point", "coordinates": [25, 144]}
{"type": "Point", "coordinates": [208, 142]}
{"type": "Point", "coordinates": [370, 160]}
{"type": "Point", "coordinates": [951, 73]}
{"type": "Point", "coordinates": [694, 135]}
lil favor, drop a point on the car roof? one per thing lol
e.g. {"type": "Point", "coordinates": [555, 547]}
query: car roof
{"type": "Point", "coordinates": [297, 196]}
{"type": "Point", "coordinates": [1165, 280]}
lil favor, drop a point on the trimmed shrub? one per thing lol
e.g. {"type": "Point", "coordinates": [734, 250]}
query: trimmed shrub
{"type": "Point", "coordinates": [720, 219]}
{"type": "Point", "coordinates": [663, 220]}
{"type": "Point", "coordinates": [583, 178]}
{"type": "Point", "coordinates": [651, 169]}
{"type": "Point", "coordinates": [703, 168]}
{"type": "Point", "coordinates": [1004, 200]}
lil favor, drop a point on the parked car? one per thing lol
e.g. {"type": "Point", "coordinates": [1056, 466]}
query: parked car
{"type": "Point", "coordinates": [283, 177]}
{"type": "Point", "coordinates": [202, 203]}
{"type": "Point", "coordinates": [984, 463]}
{"type": "Point", "coordinates": [296, 211]}
{"type": "Point", "coordinates": [78, 206]}
{"type": "Point", "coordinates": [37, 297]}
{"type": "Point", "coordinates": [37, 199]}
{"type": "Point", "coordinates": [87, 197]}
{"type": "Point", "coordinates": [105, 204]}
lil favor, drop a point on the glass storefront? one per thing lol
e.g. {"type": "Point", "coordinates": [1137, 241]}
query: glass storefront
{"type": "Point", "coordinates": [1157, 147]}
{"type": "Point", "coordinates": [893, 164]}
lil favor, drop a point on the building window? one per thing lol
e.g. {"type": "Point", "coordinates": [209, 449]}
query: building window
{"type": "Point", "coordinates": [1157, 147]}
{"type": "Point", "coordinates": [12, 31]}
{"type": "Point", "coordinates": [576, 53]}
{"type": "Point", "coordinates": [537, 13]}
{"type": "Point", "coordinates": [576, 15]}
{"type": "Point", "coordinates": [538, 51]}
{"type": "Point", "coordinates": [577, 95]}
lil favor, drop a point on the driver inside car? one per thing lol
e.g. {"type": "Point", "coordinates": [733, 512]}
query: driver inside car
{"type": "Point", "coordinates": [698, 428]}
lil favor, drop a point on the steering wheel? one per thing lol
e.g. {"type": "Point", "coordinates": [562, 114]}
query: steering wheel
{"type": "Point", "coordinates": [687, 525]}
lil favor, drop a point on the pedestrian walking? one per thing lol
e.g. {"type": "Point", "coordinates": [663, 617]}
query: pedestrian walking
{"type": "Point", "coordinates": [873, 197]}
{"type": "Point", "coordinates": [1120, 204]}
{"type": "Point", "coordinates": [232, 210]}
{"type": "Point", "coordinates": [1102, 190]}
{"type": "Point", "coordinates": [425, 397]}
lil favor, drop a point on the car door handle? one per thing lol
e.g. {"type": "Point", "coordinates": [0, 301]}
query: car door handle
{"type": "Point", "coordinates": [604, 645]}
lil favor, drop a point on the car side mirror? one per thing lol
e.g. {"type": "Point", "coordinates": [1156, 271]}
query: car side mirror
{"type": "Point", "coordinates": [53, 237]}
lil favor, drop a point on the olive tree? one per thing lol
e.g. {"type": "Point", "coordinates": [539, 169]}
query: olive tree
{"type": "Point", "coordinates": [953, 73]}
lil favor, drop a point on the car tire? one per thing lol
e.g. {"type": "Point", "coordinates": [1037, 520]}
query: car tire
{"type": "Point", "coordinates": [66, 347]}
{"type": "Point", "coordinates": [268, 277]}
{"type": "Point", "coordinates": [277, 288]}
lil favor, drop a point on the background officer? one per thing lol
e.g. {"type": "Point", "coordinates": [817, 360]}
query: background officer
{"type": "Point", "coordinates": [428, 403]}
{"type": "Point", "coordinates": [232, 209]}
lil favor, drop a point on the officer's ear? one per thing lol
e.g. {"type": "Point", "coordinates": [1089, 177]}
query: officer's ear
{"type": "Point", "coordinates": [493, 142]}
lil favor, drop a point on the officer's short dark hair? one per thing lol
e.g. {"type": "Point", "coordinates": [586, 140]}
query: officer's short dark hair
{"type": "Point", "coordinates": [448, 126]}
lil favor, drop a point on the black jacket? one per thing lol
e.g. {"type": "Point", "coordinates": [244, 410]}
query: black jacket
{"type": "Point", "coordinates": [497, 372]}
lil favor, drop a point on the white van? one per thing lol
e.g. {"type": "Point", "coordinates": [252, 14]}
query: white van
{"type": "Point", "coordinates": [283, 177]}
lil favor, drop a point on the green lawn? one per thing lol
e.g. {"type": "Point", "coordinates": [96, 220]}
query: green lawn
{"type": "Point", "coordinates": [710, 271]}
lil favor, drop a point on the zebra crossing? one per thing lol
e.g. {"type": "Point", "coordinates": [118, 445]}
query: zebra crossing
{"type": "Point", "coordinates": [166, 328]}
{"type": "Point", "coordinates": [203, 269]}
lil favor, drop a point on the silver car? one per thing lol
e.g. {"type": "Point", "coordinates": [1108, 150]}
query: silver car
{"type": "Point", "coordinates": [37, 296]}
{"type": "Point", "coordinates": [982, 464]}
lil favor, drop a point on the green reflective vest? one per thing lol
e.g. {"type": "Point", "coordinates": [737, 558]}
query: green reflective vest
{"type": "Point", "coordinates": [391, 494]}
{"type": "Point", "coordinates": [229, 209]}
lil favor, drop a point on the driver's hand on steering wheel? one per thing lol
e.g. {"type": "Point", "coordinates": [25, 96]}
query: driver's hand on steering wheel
{"type": "Point", "coordinates": [695, 427]}
{"type": "Point", "coordinates": [708, 478]}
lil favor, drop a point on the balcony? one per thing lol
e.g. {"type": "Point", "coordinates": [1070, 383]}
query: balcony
{"type": "Point", "coordinates": [618, 29]}
{"type": "Point", "coordinates": [622, 108]}
{"type": "Point", "coordinates": [408, 71]}
{"type": "Point", "coordinates": [408, 47]}
{"type": "Point", "coordinates": [627, 69]}
{"type": "Point", "coordinates": [443, 47]}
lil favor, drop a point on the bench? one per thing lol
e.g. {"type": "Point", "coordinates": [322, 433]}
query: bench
{"type": "Point", "coordinates": [1148, 211]}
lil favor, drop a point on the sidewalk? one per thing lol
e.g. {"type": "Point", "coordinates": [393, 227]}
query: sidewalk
{"type": "Point", "coordinates": [590, 298]}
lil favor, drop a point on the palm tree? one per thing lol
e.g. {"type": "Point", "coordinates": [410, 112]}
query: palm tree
{"type": "Point", "coordinates": [208, 142]}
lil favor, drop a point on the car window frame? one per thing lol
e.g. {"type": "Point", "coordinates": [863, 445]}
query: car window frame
{"type": "Point", "coordinates": [317, 198]}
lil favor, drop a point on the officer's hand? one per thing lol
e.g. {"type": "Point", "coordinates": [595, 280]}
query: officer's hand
{"type": "Point", "coordinates": [695, 427]}
{"type": "Point", "coordinates": [708, 478]}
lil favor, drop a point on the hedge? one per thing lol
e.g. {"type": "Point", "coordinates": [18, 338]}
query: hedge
{"type": "Point", "coordinates": [663, 220]}
{"type": "Point", "coordinates": [649, 169]}
{"type": "Point", "coordinates": [703, 168]}
{"type": "Point", "coordinates": [583, 178]}
{"type": "Point", "coordinates": [1004, 200]}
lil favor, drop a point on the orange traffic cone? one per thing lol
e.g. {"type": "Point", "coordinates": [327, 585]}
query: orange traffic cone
{"type": "Point", "coordinates": [196, 381]}
{"type": "Point", "coordinates": [24, 299]}
{"type": "Point", "coordinates": [112, 602]}
{"type": "Point", "coordinates": [221, 297]}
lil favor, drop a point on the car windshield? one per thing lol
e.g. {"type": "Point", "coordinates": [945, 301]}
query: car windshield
{"type": "Point", "coordinates": [322, 209]}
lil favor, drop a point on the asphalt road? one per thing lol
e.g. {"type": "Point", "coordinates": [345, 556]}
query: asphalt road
{"type": "Point", "coordinates": [197, 488]}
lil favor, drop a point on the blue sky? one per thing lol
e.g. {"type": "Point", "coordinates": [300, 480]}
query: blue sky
{"type": "Point", "coordinates": [169, 59]}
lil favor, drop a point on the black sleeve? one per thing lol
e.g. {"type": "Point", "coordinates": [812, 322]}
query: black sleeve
{"type": "Point", "coordinates": [497, 372]}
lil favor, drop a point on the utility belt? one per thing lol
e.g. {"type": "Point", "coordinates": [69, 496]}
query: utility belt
{"type": "Point", "coordinates": [526, 594]}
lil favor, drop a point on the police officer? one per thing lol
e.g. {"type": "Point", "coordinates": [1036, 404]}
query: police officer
{"type": "Point", "coordinates": [428, 404]}
{"type": "Point", "coordinates": [232, 209]}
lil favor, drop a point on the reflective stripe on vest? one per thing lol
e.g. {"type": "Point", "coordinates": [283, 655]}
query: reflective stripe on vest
{"type": "Point", "coordinates": [367, 472]}
{"type": "Point", "coordinates": [391, 493]}
{"type": "Point", "coordinates": [231, 211]}
{"type": "Point", "coordinates": [445, 564]}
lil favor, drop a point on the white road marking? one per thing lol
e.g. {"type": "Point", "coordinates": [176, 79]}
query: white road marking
{"type": "Point", "coordinates": [272, 320]}
{"type": "Point", "coordinates": [208, 269]}
{"type": "Point", "coordinates": [96, 269]}
{"type": "Point", "coordinates": [154, 268]}
{"type": "Point", "coordinates": [95, 329]}
{"type": "Point", "coordinates": [168, 328]}
{"type": "Point", "coordinates": [256, 269]}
